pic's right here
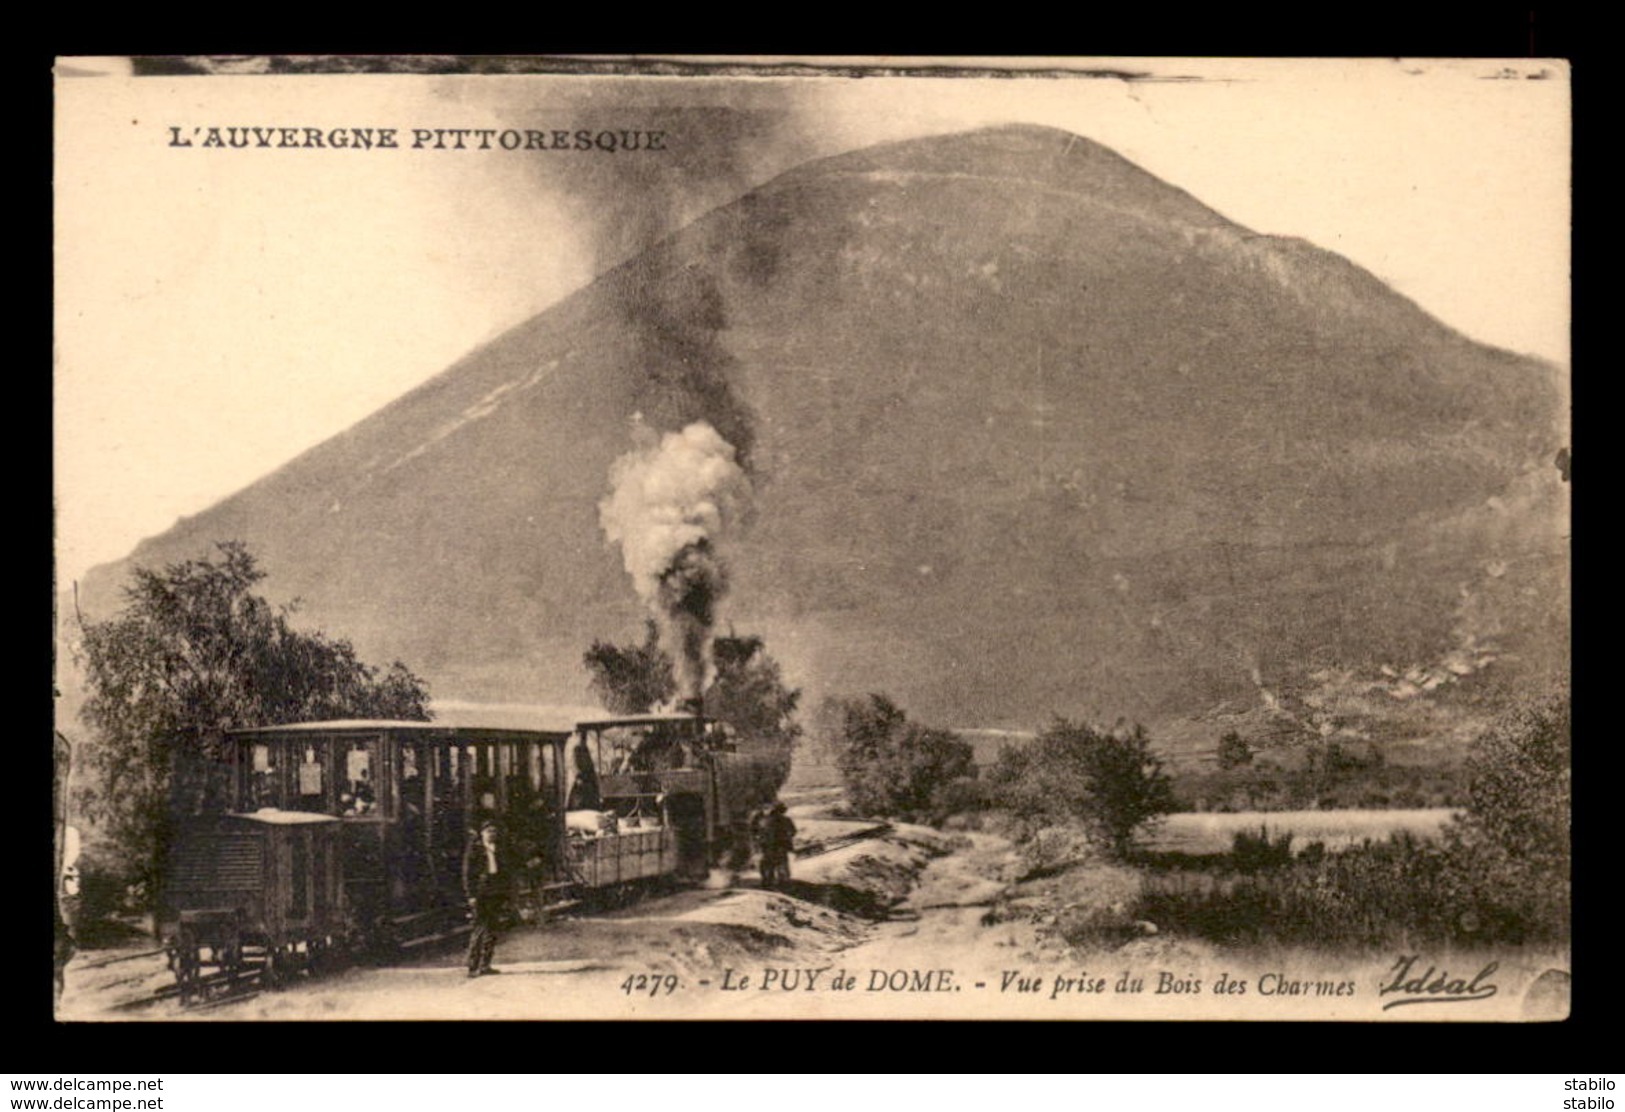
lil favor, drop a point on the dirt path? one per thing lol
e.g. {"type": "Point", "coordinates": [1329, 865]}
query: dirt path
{"type": "Point", "coordinates": [916, 923]}
{"type": "Point", "coordinates": [613, 964]}
{"type": "Point", "coordinates": [942, 917]}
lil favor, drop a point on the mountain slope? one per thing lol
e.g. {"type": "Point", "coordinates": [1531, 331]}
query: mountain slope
{"type": "Point", "coordinates": [1030, 431]}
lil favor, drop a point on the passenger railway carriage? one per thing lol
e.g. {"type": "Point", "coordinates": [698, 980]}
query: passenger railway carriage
{"type": "Point", "coordinates": [380, 813]}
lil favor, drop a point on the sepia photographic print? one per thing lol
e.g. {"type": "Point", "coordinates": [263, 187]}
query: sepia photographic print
{"type": "Point", "coordinates": [719, 538]}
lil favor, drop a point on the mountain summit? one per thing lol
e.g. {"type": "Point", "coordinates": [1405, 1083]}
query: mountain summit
{"type": "Point", "coordinates": [1029, 431]}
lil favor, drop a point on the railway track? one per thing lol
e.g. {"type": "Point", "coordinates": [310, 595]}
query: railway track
{"type": "Point", "coordinates": [841, 841]}
{"type": "Point", "coordinates": [218, 989]}
{"type": "Point", "coordinates": [212, 991]}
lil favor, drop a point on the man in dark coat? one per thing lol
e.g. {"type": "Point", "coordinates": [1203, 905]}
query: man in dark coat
{"type": "Point", "coordinates": [486, 883]}
{"type": "Point", "coordinates": [757, 831]}
{"type": "Point", "coordinates": [584, 793]}
{"type": "Point", "coordinates": [778, 835]}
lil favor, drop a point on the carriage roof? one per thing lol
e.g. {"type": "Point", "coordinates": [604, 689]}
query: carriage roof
{"type": "Point", "coordinates": [446, 733]}
{"type": "Point", "coordinates": [637, 720]}
{"type": "Point", "coordinates": [453, 726]}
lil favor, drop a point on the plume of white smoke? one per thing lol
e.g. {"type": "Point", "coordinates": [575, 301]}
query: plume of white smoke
{"type": "Point", "coordinates": [672, 501]}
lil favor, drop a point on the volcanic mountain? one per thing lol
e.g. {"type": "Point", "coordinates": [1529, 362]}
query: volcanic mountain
{"type": "Point", "coordinates": [1029, 430]}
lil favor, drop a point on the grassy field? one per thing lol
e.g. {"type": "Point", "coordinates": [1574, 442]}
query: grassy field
{"type": "Point", "coordinates": [1212, 832]}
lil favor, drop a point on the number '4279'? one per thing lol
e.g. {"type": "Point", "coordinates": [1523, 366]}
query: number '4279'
{"type": "Point", "coordinates": [651, 983]}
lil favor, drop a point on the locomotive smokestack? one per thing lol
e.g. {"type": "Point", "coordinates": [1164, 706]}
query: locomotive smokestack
{"type": "Point", "coordinates": [672, 501]}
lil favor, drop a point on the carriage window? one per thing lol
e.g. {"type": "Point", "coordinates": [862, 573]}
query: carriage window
{"type": "Point", "coordinates": [312, 780]}
{"type": "Point", "coordinates": [447, 787]}
{"type": "Point", "coordinates": [485, 793]}
{"type": "Point", "coordinates": [478, 764]}
{"type": "Point", "coordinates": [410, 804]}
{"type": "Point", "coordinates": [510, 775]}
{"type": "Point", "coordinates": [610, 751]}
{"type": "Point", "coordinates": [539, 767]}
{"type": "Point", "coordinates": [553, 767]}
{"type": "Point", "coordinates": [358, 795]}
{"type": "Point", "coordinates": [262, 779]}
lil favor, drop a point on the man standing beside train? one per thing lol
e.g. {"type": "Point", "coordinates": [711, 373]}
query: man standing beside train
{"type": "Point", "coordinates": [778, 838]}
{"type": "Point", "coordinates": [485, 882]}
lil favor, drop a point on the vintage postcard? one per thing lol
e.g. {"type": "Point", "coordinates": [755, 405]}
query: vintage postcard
{"type": "Point", "coordinates": [727, 538]}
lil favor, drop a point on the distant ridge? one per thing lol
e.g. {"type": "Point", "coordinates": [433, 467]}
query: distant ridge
{"type": "Point", "coordinates": [1031, 432]}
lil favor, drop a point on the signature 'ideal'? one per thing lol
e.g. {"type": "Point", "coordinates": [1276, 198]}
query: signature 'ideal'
{"type": "Point", "coordinates": [1436, 986]}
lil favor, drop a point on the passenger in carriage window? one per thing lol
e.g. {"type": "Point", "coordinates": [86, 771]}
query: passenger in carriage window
{"type": "Point", "coordinates": [364, 803]}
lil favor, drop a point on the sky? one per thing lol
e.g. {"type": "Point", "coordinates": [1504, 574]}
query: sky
{"type": "Point", "coordinates": [219, 312]}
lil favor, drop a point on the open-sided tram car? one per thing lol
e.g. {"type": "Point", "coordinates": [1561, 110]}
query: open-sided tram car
{"type": "Point", "coordinates": [665, 799]}
{"type": "Point", "coordinates": [386, 809]}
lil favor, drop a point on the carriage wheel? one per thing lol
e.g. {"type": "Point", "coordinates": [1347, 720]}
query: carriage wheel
{"type": "Point", "coordinates": [384, 942]}
{"type": "Point", "coordinates": [231, 960]}
{"type": "Point", "coordinates": [183, 962]}
{"type": "Point", "coordinates": [187, 967]}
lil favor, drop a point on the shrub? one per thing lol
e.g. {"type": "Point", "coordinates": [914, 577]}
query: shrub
{"type": "Point", "coordinates": [895, 767]}
{"type": "Point", "coordinates": [1500, 875]}
{"type": "Point", "coordinates": [1234, 752]}
{"type": "Point", "coordinates": [1512, 848]}
{"type": "Point", "coordinates": [1519, 797]}
{"type": "Point", "coordinates": [95, 914]}
{"type": "Point", "coordinates": [1106, 780]}
{"type": "Point", "coordinates": [1374, 895]}
{"type": "Point", "coordinates": [630, 679]}
{"type": "Point", "coordinates": [963, 796]}
{"type": "Point", "coordinates": [1051, 849]}
{"type": "Point", "coordinates": [1331, 775]}
{"type": "Point", "coordinates": [193, 653]}
{"type": "Point", "coordinates": [1252, 853]}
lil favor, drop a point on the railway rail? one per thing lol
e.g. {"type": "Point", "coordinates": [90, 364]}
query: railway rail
{"type": "Point", "coordinates": [209, 991]}
{"type": "Point", "coordinates": [841, 841]}
{"type": "Point", "coordinates": [219, 987]}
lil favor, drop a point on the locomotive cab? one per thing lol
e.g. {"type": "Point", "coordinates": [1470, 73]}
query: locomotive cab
{"type": "Point", "coordinates": [654, 773]}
